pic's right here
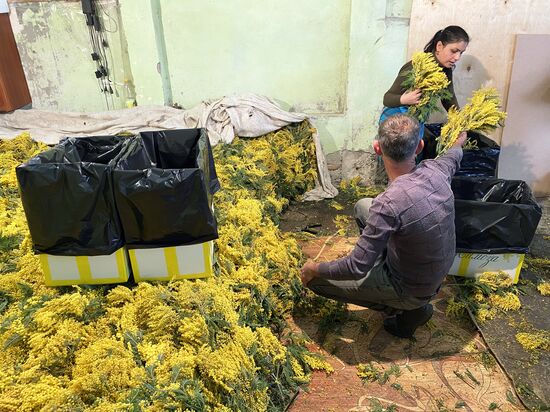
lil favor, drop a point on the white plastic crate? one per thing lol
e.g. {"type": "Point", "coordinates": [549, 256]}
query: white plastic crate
{"type": "Point", "coordinates": [473, 264]}
{"type": "Point", "coordinates": [172, 263]}
{"type": "Point", "coordinates": [85, 270]}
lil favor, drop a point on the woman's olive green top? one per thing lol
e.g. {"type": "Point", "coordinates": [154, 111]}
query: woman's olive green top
{"type": "Point", "coordinates": [392, 96]}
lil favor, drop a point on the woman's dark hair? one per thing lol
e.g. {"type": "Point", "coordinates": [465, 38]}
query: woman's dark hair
{"type": "Point", "coordinates": [450, 34]}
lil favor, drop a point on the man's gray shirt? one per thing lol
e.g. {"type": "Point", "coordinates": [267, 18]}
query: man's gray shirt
{"type": "Point", "coordinates": [414, 220]}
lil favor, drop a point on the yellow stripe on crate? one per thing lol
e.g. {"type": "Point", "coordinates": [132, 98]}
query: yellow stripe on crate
{"type": "Point", "coordinates": [84, 270]}
{"type": "Point", "coordinates": [171, 261]}
{"type": "Point", "coordinates": [518, 268]}
{"type": "Point", "coordinates": [133, 262]}
{"type": "Point", "coordinates": [206, 250]}
{"type": "Point", "coordinates": [121, 264]}
{"type": "Point", "coordinates": [464, 263]}
{"type": "Point", "coordinates": [46, 268]}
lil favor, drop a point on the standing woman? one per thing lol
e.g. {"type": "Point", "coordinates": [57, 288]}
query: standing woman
{"type": "Point", "coordinates": [447, 46]}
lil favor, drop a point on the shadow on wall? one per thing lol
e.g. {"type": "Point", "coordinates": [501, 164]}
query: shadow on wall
{"type": "Point", "coordinates": [515, 164]}
{"type": "Point", "coordinates": [469, 75]}
{"type": "Point", "coordinates": [545, 95]}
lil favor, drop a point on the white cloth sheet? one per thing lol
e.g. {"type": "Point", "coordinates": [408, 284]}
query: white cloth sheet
{"type": "Point", "coordinates": [247, 116]}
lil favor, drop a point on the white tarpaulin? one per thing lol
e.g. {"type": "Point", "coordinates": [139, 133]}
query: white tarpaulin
{"type": "Point", "coordinates": [223, 119]}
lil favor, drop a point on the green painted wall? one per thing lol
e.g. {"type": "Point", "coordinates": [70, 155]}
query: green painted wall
{"type": "Point", "coordinates": [276, 48]}
{"type": "Point", "coordinates": [378, 39]}
{"type": "Point", "coordinates": [333, 60]}
{"type": "Point", "coordinates": [140, 34]}
{"type": "Point", "coordinates": [294, 52]}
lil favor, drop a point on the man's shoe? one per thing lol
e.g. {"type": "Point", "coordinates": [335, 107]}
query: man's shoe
{"type": "Point", "coordinates": [405, 324]}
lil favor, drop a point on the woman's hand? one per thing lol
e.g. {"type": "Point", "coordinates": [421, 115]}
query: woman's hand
{"type": "Point", "coordinates": [410, 97]}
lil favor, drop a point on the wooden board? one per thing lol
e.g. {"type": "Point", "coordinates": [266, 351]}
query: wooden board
{"type": "Point", "coordinates": [526, 137]}
{"type": "Point", "coordinates": [492, 26]}
{"type": "Point", "coordinates": [14, 92]}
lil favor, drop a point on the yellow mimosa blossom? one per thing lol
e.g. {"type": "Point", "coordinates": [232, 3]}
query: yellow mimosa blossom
{"type": "Point", "coordinates": [428, 77]}
{"type": "Point", "coordinates": [318, 363]}
{"type": "Point", "coordinates": [298, 371]}
{"type": "Point", "coordinates": [478, 296]}
{"type": "Point", "coordinates": [495, 280]}
{"type": "Point", "coordinates": [485, 314]}
{"type": "Point", "coordinates": [193, 331]}
{"type": "Point", "coordinates": [481, 114]}
{"type": "Point", "coordinates": [269, 345]}
{"type": "Point", "coordinates": [183, 345]}
{"type": "Point", "coordinates": [368, 372]}
{"type": "Point", "coordinates": [120, 296]}
{"type": "Point", "coordinates": [507, 301]}
{"type": "Point", "coordinates": [335, 205]}
{"type": "Point", "coordinates": [45, 393]}
{"type": "Point", "coordinates": [544, 288]}
{"type": "Point", "coordinates": [225, 365]}
{"type": "Point", "coordinates": [176, 365]}
{"type": "Point", "coordinates": [539, 339]}
{"type": "Point", "coordinates": [352, 189]}
{"type": "Point", "coordinates": [455, 309]}
{"type": "Point", "coordinates": [342, 223]}
{"type": "Point", "coordinates": [105, 369]}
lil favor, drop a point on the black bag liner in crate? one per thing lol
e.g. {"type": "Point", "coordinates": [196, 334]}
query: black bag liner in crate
{"type": "Point", "coordinates": [163, 188]}
{"type": "Point", "coordinates": [475, 162]}
{"type": "Point", "coordinates": [68, 197]}
{"type": "Point", "coordinates": [494, 215]}
{"type": "Point", "coordinates": [482, 161]}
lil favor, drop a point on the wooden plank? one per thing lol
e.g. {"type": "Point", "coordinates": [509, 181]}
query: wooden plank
{"type": "Point", "coordinates": [492, 26]}
{"type": "Point", "coordinates": [14, 92]}
{"type": "Point", "coordinates": [525, 140]}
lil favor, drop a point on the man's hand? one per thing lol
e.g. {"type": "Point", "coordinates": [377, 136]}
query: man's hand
{"type": "Point", "coordinates": [461, 139]}
{"type": "Point", "coordinates": [309, 271]}
{"type": "Point", "coordinates": [410, 97]}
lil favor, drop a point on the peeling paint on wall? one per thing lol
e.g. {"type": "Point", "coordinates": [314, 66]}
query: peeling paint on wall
{"type": "Point", "coordinates": [55, 49]}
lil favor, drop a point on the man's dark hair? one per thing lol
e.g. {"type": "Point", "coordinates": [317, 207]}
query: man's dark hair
{"type": "Point", "coordinates": [450, 34]}
{"type": "Point", "coordinates": [399, 136]}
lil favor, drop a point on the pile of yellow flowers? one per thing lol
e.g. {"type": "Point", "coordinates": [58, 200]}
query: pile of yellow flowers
{"type": "Point", "coordinates": [352, 190]}
{"type": "Point", "coordinates": [485, 297]}
{"type": "Point", "coordinates": [428, 77]}
{"type": "Point", "coordinates": [482, 114]}
{"type": "Point", "coordinates": [212, 345]}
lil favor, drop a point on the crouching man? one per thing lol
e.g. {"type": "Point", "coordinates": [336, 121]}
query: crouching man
{"type": "Point", "coordinates": [407, 242]}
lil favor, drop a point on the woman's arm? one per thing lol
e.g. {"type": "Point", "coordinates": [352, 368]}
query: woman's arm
{"type": "Point", "coordinates": [397, 95]}
{"type": "Point", "coordinates": [393, 95]}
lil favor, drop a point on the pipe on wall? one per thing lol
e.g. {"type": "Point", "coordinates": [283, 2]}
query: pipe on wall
{"type": "Point", "coordinates": [156, 13]}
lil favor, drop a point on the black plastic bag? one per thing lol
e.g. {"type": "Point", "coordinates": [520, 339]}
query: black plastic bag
{"type": "Point", "coordinates": [68, 197]}
{"type": "Point", "coordinates": [482, 161]}
{"type": "Point", "coordinates": [163, 188]}
{"type": "Point", "coordinates": [494, 215]}
{"type": "Point", "coordinates": [431, 133]}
